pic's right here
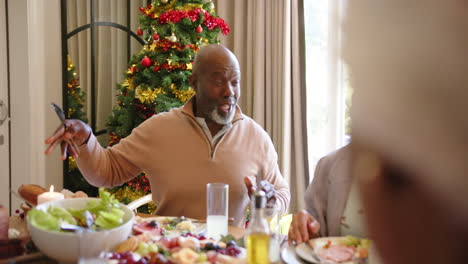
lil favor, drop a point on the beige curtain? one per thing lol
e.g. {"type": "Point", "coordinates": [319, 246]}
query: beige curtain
{"type": "Point", "coordinates": [78, 46]}
{"type": "Point", "coordinates": [265, 36]}
{"type": "Point", "coordinates": [110, 49]}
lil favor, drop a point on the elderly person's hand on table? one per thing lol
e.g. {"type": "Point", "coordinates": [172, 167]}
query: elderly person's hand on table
{"type": "Point", "coordinates": [303, 228]}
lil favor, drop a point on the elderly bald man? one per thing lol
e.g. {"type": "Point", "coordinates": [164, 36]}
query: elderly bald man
{"type": "Point", "coordinates": [206, 140]}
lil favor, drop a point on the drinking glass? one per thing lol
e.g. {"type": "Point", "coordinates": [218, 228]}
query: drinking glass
{"type": "Point", "coordinates": [272, 216]}
{"type": "Point", "coordinates": [217, 198]}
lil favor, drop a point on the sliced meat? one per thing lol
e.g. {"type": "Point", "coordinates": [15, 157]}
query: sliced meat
{"type": "Point", "coordinates": [152, 228]}
{"type": "Point", "coordinates": [336, 253]}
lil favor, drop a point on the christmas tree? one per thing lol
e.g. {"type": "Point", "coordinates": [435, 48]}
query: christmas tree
{"type": "Point", "coordinates": [76, 98]}
{"type": "Point", "coordinates": [157, 76]}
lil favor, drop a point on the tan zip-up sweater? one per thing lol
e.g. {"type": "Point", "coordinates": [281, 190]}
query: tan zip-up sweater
{"type": "Point", "coordinates": [179, 161]}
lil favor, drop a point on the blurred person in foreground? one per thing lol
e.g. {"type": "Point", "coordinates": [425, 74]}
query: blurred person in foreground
{"type": "Point", "coordinates": [408, 63]}
{"type": "Point", "coordinates": [208, 139]}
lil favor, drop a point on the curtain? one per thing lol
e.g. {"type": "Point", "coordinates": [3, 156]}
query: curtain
{"type": "Point", "coordinates": [328, 87]}
{"type": "Point", "coordinates": [266, 38]}
{"type": "Point", "coordinates": [78, 46]}
{"type": "Point", "coordinates": [111, 56]}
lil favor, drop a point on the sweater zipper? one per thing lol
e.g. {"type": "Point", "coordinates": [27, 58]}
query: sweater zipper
{"type": "Point", "coordinates": [206, 137]}
{"type": "Point", "coordinates": [219, 141]}
{"type": "Point", "coordinates": [212, 148]}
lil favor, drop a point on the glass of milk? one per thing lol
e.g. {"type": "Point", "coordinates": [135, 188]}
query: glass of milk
{"type": "Point", "coordinates": [217, 198]}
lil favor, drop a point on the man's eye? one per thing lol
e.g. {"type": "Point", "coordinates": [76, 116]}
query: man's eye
{"type": "Point", "coordinates": [235, 83]}
{"type": "Point", "coordinates": [218, 82]}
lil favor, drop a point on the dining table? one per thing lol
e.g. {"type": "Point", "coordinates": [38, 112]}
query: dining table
{"type": "Point", "coordinates": [287, 252]}
{"type": "Point", "coordinates": [40, 258]}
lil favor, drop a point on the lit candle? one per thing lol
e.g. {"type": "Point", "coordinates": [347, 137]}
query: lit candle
{"type": "Point", "coordinates": [49, 196]}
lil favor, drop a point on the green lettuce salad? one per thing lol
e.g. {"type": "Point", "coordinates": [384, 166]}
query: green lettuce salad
{"type": "Point", "coordinates": [106, 214]}
{"type": "Point", "coordinates": [356, 242]}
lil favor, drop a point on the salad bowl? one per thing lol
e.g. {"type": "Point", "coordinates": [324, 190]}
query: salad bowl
{"type": "Point", "coordinates": [69, 247]}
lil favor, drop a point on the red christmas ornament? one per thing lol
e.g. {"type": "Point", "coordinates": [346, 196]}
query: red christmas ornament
{"type": "Point", "coordinates": [146, 62]}
{"type": "Point", "coordinates": [139, 32]}
{"type": "Point", "coordinates": [199, 29]}
{"type": "Point", "coordinates": [156, 36]}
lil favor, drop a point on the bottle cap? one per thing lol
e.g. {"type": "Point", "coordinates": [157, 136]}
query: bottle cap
{"type": "Point", "coordinates": [259, 199]}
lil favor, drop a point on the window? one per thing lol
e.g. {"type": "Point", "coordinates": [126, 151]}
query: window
{"type": "Point", "coordinates": [327, 82]}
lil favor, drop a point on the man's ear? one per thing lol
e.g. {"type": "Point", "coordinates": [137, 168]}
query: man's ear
{"type": "Point", "coordinates": [193, 81]}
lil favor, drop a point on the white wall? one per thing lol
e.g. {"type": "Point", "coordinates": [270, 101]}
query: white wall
{"type": "Point", "coordinates": [4, 125]}
{"type": "Point", "coordinates": [35, 74]}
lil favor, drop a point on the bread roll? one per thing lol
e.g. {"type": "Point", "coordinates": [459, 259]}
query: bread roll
{"type": "Point", "coordinates": [4, 218]}
{"type": "Point", "coordinates": [80, 194]}
{"type": "Point", "coordinates": [29, 192]}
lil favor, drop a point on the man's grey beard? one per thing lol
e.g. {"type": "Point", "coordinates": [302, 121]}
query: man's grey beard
{"type": "Point", "coordinates": [216, 117]}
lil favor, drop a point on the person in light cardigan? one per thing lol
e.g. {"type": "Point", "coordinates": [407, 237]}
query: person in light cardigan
{"type": "Point", "coordinates": [327, 201]}
{"type": "Point", "coordinates": [207, 140]}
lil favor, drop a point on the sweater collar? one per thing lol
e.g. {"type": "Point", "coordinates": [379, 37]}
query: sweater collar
{"type": "Point", "coordinates": [187, 108]}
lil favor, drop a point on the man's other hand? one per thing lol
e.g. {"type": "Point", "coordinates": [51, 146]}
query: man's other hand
{"type": "Point", "coordinates": [265, 186]}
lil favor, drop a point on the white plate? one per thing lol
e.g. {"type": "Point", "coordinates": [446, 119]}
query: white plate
{"type": "Point", "coordinates": [307, 253]}
{"type": "Point", "coordinates": [306, 250]}
{"type": "Point", "coordinates": [288, 255]}
{"type": "Point", "coordinates": [163, 220]}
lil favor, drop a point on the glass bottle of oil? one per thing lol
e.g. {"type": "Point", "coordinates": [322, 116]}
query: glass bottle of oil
{"type": "Point", "coordinates": [258, 237]}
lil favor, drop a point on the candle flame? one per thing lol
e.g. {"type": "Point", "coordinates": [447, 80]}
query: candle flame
{"type": "Point", "coordinates": [51, 188]}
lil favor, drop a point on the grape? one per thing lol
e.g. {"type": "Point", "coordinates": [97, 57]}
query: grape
{"type": "Point", "coordinates": [127, 258]}
{"type": "Point", "coordinates": [232, 251]}
{"type": "Point", "coordinates": [231, 243]}
{"type": "Point", "coordinates": [211, 246]}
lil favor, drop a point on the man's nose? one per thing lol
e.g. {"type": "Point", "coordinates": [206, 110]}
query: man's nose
{"type": "Point", "coordinates": [229, 90]}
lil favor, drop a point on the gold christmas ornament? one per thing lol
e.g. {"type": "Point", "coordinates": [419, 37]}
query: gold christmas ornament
{"type": "Point", "coordinates": [71, 163]}
{"type": "Point", "coordinates": [69, 63]}
{"type": "Point", "coordinates": [128, 83]}
{"type": "Point", "coordinates": [152, 46]}
{"type": "Point", "coordinates": [182, 95]}
{"type": "Point", "coordinates": [130, 69]}
{"type": "Point", "coordinates": [164, 1]}
{"type": "Point", "coordinates": [188, 7]}
{"type": "Point", "coordinates": [172, 38]}
{"type": "Point", "coordinates": [147, 96]}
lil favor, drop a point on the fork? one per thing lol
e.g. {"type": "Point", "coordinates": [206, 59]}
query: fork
{"type": "Point", "coordinates": [61, 116]}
